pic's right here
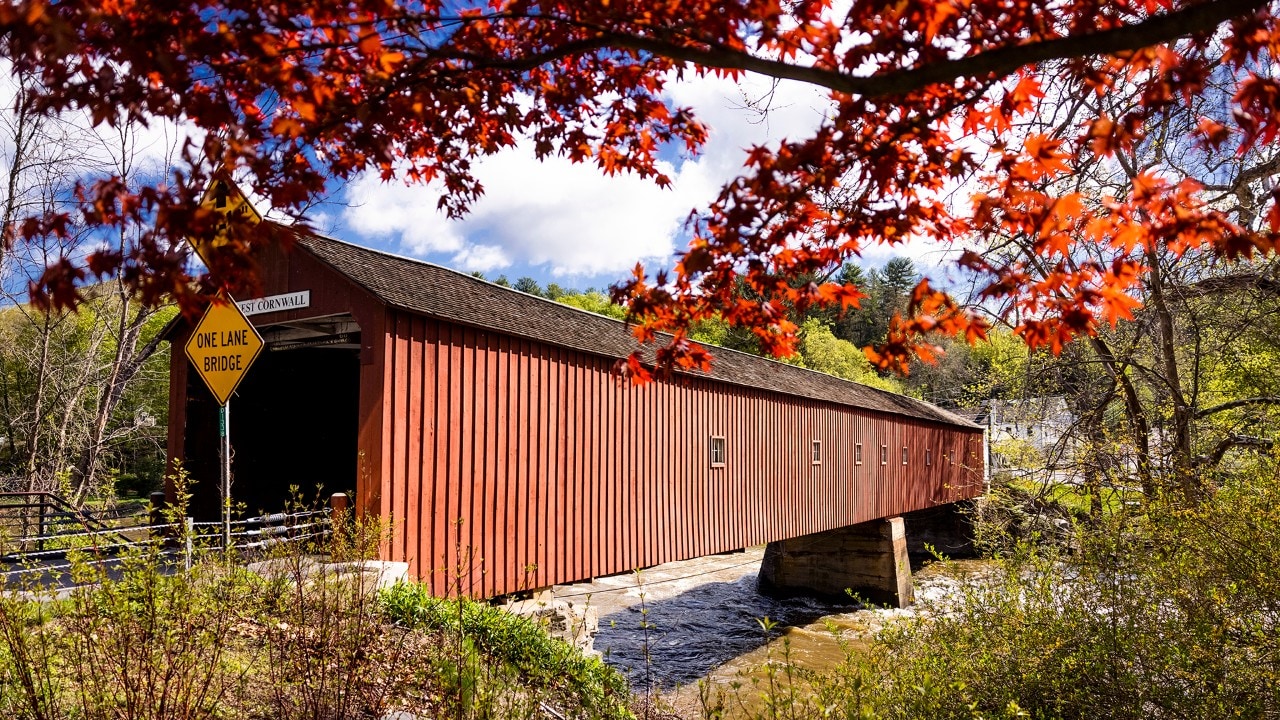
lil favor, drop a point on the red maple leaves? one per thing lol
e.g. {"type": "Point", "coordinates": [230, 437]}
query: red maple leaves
{"type": "Point", "coordinates": [293, 94]}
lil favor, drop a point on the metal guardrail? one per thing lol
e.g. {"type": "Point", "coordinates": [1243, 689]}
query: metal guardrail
{"type": "Point", "coordinates": [257, 533]}
{"type": "Point", "coordinates": [30, 554]}
{"type": "Point", "coordinates": [43, 519]}
{"type": "Point", "coordinates": [55, 563]}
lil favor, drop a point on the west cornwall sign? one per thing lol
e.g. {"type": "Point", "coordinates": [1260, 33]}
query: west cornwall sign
{"type": "Point", "coordinates": [275, 303]}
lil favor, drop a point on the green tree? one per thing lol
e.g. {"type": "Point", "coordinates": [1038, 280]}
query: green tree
{"type": "Point", "coordinates": [527, 284]}
{"type": "Point", "coordinates": [595, 302]}
{"type": "Point", "coordinates": [887, 290]}
{"type": "Point", "coordinates": [965, 375]}
{"type": "Point", "coordinates": [84, 395]}
{"type": "Point", "coordinates": [715, 331]}
{"type": "Point", "coordinates": [822, 351]}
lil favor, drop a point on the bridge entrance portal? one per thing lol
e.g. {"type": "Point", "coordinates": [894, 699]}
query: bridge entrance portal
{"type": "Point", "coordinates": [294, 422]}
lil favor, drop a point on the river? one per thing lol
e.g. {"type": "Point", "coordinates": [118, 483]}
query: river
{"type": "Point", "coordinates": [700, 619]}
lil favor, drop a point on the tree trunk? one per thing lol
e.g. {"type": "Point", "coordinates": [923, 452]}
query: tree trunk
{"type": "Point", "coordinates": [1135, 415]}
{"type": "Point", "coordinates": [126, 363]}
{"type": "Point", "coordinates": [1184, 476]}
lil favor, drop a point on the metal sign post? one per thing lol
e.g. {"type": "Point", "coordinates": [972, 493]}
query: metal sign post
{"type": "Point", "coordinates": [224, 343]}
{"type": "Point", "coordinates": [224, 455]}
{"type": "Point", "coordinates": [222, 347]}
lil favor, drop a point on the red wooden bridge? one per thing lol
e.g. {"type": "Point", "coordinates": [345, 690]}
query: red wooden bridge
{"type": "Point", "coordinates": [485, 424]}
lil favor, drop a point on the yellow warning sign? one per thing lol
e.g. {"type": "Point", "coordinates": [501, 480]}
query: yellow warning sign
{"type": "Point", "coordinates": [225, 198]}
{"type": "Point", "coordinates": [222, 347]}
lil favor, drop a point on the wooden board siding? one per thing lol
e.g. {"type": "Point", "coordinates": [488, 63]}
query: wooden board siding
{"type": "Point", "coordinates": [511, 464]}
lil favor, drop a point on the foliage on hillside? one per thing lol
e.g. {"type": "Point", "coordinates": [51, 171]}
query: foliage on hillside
{"type": "Point", "coordinates": [83, 396]}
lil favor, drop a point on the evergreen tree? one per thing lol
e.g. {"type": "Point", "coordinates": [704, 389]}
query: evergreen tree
{"type": "Point", "coordinates": [527, 284]}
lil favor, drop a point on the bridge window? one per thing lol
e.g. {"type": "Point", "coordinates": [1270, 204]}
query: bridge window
{"type": "Point", "coordinates": [717, 451]}
{"type": "Point", "coordinates": [928, 456]}
{"type": "Point", "coordinates": [817, 452]}
{"type": "Point", "coordinates": [904, 454]}
{"type": "Point", "coordinates": [884, 454]}
{"type": "Point", "coordinates": [857, 454]}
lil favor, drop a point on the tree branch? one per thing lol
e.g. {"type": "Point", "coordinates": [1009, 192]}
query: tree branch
{"type": "Point", "coordinates": [1260, 400]}
{"type": "Point", "coordinates": [1262, 170]}
{"type": "Point", "coordinates": [1193, 19]}
{"type": "Point", "coordinates": [1234, 440]}
{"type": "Point", "coordinates": [1223, 284]}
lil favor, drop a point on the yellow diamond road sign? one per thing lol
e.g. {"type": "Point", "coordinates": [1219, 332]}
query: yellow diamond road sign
{"type": "Point", "coordinates": [225, 198]}
{"type": "Point", "coordinates": [222, 347]}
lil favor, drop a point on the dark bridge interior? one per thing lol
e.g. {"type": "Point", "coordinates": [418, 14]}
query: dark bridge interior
{"type": "Point", "coordinates": [293, 423]}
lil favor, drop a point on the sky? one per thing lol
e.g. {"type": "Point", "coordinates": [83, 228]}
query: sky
{"type": "Point", "coordinates": [69, 148]}
{"type": "Point", "coordinates": [570, 224]}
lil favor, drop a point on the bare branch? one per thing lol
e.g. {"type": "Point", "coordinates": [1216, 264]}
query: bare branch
{"type": "Point", "coordinates": [1243, 402]}
{"type": "Point", "coordinates": [1224, 284]}
{"type": "Point", "coordinates": [1234, 440]}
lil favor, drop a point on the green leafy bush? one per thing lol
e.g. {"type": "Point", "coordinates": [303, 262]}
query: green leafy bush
{"type": "Point", "coordinates": [516, 645]}
{"type": "Point", "coordinates": [1171, 612]}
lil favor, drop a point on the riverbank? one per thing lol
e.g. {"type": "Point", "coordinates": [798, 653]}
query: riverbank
{"type": "Point", "coordinates": [672, 625]}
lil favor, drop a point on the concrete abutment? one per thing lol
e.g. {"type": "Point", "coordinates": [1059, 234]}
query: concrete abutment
{"type": "Point", "coordinates": [871, 559]}
{"type": "Point", "coordinates": [945, 530]}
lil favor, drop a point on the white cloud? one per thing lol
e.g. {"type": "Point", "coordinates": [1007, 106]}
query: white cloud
{"type": "Point", "coordinates": [571, 219]}
{"type": "Point", "coordinates": [565, 217]}
{"type": "Point", "coordinates": [751, 112]}
{"type": "Point", "coordinates": [483, 257]}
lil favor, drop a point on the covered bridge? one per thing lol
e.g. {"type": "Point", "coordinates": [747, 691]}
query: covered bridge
{"type": "Point", "coordinates": [484, 420]}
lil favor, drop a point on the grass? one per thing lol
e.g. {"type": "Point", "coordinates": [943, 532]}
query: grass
{"type": "Point", "coordinates": [515, 648]}
{"type": "Point", "coordinates": [1075, 498]}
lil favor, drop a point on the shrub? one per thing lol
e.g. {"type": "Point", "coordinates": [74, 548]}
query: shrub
{"type": "Point", "coordinates": [516, 650]}
{"type": "Point", "coordinates": [147, 644]}
{"type": "Point", "coordinates": [28, 684]}
{"type": "Point", "coordinates": [306, 636]}
{"type": "Point", "coordinates": [1169, 613]}
{"type": "Point", "coordinates": [326, 652]}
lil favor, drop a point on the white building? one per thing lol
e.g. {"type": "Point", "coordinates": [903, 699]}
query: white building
{"type": "Point", "coordinates": [1030, 434]}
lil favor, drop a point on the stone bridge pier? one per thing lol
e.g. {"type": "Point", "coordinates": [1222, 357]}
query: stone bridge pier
{"type": "Point", "coordinates": [871, 560]}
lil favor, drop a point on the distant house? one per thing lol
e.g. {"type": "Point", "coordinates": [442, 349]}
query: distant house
{"type": "Point", "coordinates": [1041, 421]}
{"type": "Point", "coordinates": [1029, 434]}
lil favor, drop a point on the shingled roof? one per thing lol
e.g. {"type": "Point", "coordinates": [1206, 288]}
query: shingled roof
{"type": "Point", "coordinates": [435, 291]}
